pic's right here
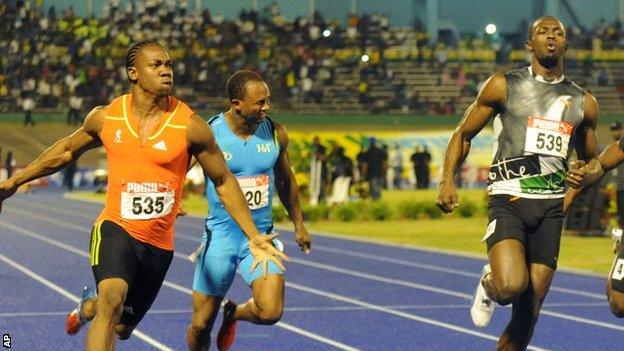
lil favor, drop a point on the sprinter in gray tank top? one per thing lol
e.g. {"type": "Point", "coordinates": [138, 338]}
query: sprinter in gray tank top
{"type": "Point", "coordinates": [539, 117]}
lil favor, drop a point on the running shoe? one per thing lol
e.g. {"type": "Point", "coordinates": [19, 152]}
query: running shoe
{"type": "Point", "coordinates": [74, 320]}
{"type": "Point", "coordinates": [227, 332]}
{"type": "Point", "coordinates": [482, 305]}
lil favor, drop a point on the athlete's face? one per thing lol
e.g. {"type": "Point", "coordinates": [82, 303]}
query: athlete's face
{"type": "Point", "coordinates": [152, 70]}
{"type": "Point", "coordinates": [256, 103]}
{"type": "Point", "coordinates": [548, 42]}
{"type": "Point", "coordinates": [617, 134]}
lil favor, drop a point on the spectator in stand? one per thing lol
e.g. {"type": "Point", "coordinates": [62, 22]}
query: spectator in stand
{"type": "Point", "coordinates": [28, 105]}
{"type": "Point", "coordinates": [75, 105]}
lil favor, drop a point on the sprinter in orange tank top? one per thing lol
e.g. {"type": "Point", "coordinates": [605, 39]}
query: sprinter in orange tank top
{"type": "Point", "coordinates": [149, 138]}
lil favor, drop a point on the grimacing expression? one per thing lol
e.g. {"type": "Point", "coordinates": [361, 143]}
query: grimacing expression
{"type": "Point", "coordinates": [548, 42]}
{"type": "Point", "coordinates": [255, 104]}
{"type": "Point", "coordinates": [153, 70]}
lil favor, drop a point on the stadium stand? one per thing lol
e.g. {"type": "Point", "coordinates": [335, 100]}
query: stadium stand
{"type": "Point", "coordinates": [313, 65]}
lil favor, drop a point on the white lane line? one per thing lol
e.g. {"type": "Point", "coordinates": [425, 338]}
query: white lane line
{"type": "Point", "coordinates": [380, 258]}
{"type": "Point", "coordinates": [579, 293]}
{"type": "Point", "coordinates": [583, 320]}
{"type": "Point", "coordinates": [397, 313]}
{"type": "Point", "coordinates": [403, 283]}
{"type": "Point", "coordinates": [432, 250]}
{"type": "Point", "coordinates": [83, 228]}
{"type": "Point", "coordinates": [378, 278]}
{"type": "Point", "coordinates": [345, 308]}
{"type": "Point", "coordinates": [316, 337]}
{"type": "Point", "coordinates": [300, 287]}
{"type": "Point", "coordinates": [436, 268]}
{"type": "Point", "coordinates": [158, 345]}
{"type": "Point", "coordinates": [165, 283]}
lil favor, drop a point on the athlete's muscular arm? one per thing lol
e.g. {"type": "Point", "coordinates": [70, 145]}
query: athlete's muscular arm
{"type": "Point", "coordinates": [489, 102]}
{"type": "Point", "coordinates": [59, 155]}
{"type": "Point", "coordinates": [587, 145]}
{"type": "Point", "coordinates": [203, 146]}
{"type": "Point", "coordinates": [288, 190]}
{"type": "Point", "coordinates": [586, 149]}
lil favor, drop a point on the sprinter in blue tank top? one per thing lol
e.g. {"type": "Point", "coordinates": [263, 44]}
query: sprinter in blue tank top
{"type": "Point", "coordinates": [255, 149]}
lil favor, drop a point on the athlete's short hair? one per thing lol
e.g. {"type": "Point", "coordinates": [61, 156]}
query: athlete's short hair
{"type": "Point", "coordinates": [531, 30]}
{"type": "Point", "coordinates": [235, 87]}
{"type": "Point", "coordinates": [134, 51]}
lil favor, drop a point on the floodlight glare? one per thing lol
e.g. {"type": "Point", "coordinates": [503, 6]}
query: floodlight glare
{"type": "Point", "coordinates": [490, 28]}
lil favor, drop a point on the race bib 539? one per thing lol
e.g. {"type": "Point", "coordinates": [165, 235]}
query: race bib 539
{"type": "Point", "coordinates": [548, 137]}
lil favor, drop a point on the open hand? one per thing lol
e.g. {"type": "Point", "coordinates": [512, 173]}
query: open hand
{"type": "Point", "coordinates": [263, 251]}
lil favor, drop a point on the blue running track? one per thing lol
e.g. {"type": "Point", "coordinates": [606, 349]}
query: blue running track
{"type": "Point", "coordinates": [346, 295]}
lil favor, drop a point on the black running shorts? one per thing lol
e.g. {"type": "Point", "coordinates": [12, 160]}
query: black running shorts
{"type": "Point", "coordinates": [116, 254]}
{"type": "Point", "coordinates": [537, 223]}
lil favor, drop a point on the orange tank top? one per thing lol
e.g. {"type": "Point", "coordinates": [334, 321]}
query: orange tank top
{"type": "Point", "coordinates": [145, 180]}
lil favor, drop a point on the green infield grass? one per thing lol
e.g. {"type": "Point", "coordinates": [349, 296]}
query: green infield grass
{"type": "Point", "coordinates": [450, 232]}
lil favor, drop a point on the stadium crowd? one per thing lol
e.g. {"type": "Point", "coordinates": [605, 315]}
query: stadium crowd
{"type": "Point", "coordinates": [54, 57]}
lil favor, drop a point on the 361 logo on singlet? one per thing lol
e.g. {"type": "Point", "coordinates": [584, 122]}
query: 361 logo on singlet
{"type": "Point", "coordinates": [146, 200]}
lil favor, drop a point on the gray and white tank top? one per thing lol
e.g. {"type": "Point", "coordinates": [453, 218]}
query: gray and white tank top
{"type": "Point", "coordinates": [535, 135]}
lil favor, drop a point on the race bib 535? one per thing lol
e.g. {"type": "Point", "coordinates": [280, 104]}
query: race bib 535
{"type": "Point", "coordinates": [146, 200]}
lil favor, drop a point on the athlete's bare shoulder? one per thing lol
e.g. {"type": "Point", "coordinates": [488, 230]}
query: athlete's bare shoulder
{"type": "Point", "coordinates": [494, 91]}
{"type": "Point", "coordinates": [282, 135]}
{"type": "Point", "coordinates": [590, 108]}
{"type": "Point", "coordinates": [198, 132]}
{"type": "Point", "coordinates": [95, 120]}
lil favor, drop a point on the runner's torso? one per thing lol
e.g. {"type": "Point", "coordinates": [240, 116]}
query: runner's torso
{"type": "Point", "coordinates": [534, 135]}
{"type": "Point", "coordinates": [251, 161]}
{"type": "Point", "coordinates": [145, 179]}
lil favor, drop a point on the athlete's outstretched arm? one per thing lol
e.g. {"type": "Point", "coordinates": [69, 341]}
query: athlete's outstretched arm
{"type": "Point", "coordinates": [59, 155]}
{"type": "Point", "coordinates": [581, 174]}
{"type": "Point", "coordinates": [489, 102]}
{"type": "Point", "coordinates": [203, 146]}
{"type": "Point", "coordinates": [288, 190]}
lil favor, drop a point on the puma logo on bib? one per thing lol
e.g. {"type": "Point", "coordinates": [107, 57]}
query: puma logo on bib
{"type": "Point", "coordinates": [550, 135]}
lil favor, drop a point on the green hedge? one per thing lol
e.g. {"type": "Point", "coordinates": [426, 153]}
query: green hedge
{"type": "Point", "coordinates": [367, 210]}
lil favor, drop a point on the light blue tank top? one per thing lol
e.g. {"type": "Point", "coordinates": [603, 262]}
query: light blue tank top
{"type": "Point", "coordinates": [251, 161]}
